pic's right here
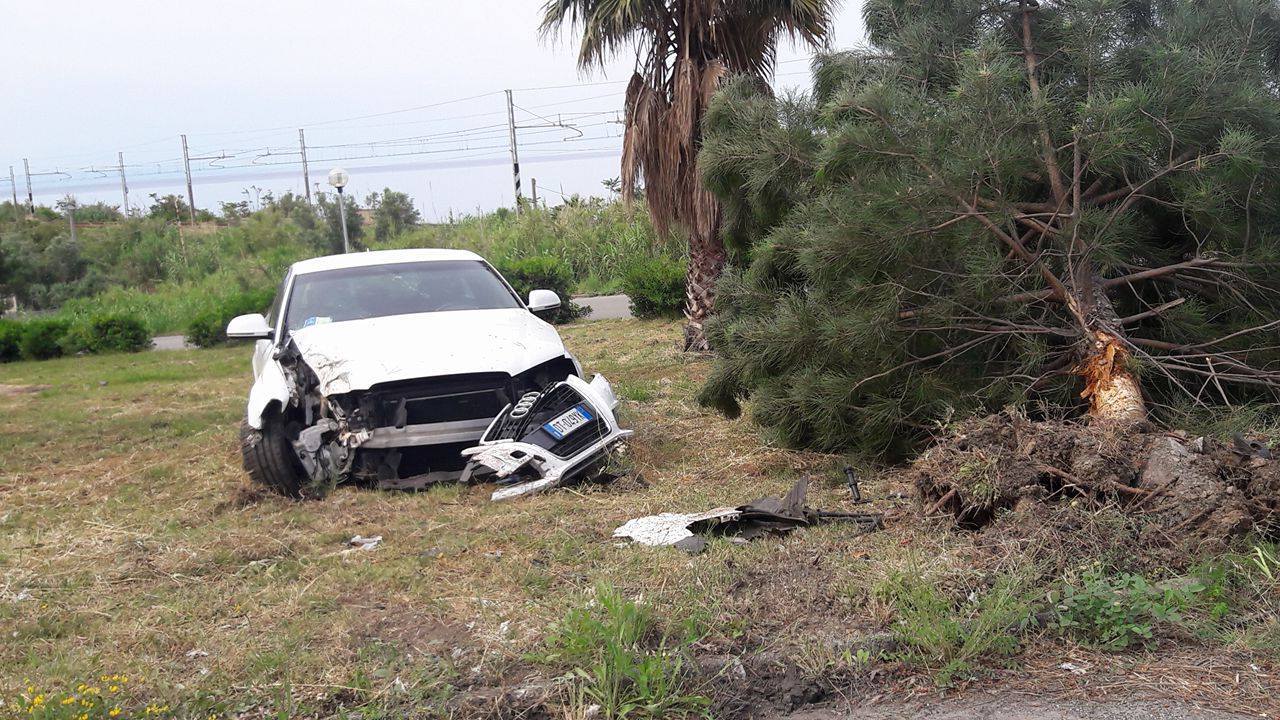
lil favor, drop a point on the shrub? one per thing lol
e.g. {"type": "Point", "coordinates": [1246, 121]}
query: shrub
{"type": "Point", "coordinates": [10, 340]}
{"type": "Point", "coordinates": [1115, 612]}
{"type": "Point", "coordinates": [42, 339]}
{"type": "Point", "coordinates": [112, 332]}
{"type": "Point", "coordinates": [656, 287]}
{"type": "Point", "coordinates": [209, 328]}
{"type": "Point", "coordinates": [544, 272]}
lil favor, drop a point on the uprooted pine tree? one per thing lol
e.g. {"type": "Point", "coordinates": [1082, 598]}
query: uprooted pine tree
{"type": "Point", "coordinates": [1065, 206]}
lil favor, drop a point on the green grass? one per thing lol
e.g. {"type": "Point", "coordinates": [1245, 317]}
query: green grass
{"type": "Point", "coordinates": [948, 636]}
{"type": "Point", "coordinates": [617, 659]}
{"type": "Point", "coordinates": [127, 522]}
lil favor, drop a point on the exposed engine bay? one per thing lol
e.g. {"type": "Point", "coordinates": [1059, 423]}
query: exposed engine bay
{"type": "Point", "coordinates": [367, 435]}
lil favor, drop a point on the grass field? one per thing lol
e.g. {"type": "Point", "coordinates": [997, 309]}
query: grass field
{"type": "Point", "coordinates": [137, 562]}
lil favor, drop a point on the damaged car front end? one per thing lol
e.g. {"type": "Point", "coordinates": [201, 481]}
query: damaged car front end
{"type": "Point", "coordinates": [547, 438]}
{"type": "Point", "coordinates": [382, 367]}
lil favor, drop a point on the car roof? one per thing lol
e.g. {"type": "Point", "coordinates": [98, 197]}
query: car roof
{"type": "Point", "coordinates": [380, 257]}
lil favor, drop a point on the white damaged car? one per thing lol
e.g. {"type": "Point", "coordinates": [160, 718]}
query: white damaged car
{"type": "Point", "coordinates": [385, 366]}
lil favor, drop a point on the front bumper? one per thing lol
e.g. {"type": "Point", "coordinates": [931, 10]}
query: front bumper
{"type": "Point", "coordinates": [520, 449]}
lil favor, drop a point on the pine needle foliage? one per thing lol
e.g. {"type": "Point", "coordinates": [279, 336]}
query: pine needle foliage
{"type": "Point", "coordinates": [995, 203]}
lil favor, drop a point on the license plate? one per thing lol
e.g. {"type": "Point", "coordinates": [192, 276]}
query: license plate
{"type": "Point", "coordinates": [568, 422]}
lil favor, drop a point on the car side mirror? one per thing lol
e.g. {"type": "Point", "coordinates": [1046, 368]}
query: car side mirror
{"type": "Point", "coordinates": [543, 300]}
{"type": "Point", "coordinates": [253, 326]}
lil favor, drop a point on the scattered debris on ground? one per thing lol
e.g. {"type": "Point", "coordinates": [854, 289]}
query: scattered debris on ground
{"type": "Point", "coordinates": [765, 516]}
{"type": "Point", "coordinates": [546, 439]}
{"type": "Point", "coordinates": [360, 542]}
{"type": "Point", "coordinates": [1182, 490]}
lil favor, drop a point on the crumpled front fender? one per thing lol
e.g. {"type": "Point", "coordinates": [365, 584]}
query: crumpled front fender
{"type": "Point", "coordinates": [272, 386]}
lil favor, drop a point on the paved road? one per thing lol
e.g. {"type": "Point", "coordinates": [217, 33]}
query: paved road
{"type": "Point", "coordinates": [603, 307]}
{"type": "Point", "coordinates": [170, 342]}
{"type": "Point", "coordinates": [606, 307]}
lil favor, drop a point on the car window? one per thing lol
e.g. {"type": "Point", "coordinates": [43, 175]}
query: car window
{"type": "Point", "coordinates": [374, 291]}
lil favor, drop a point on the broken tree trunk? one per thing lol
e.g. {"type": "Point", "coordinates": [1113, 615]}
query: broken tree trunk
{"type": "Point", "coordinates": [1112, 389]}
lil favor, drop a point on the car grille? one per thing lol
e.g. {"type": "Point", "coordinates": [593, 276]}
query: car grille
{"type": "Point", "coordinates": [461, 397]}
{"type": "Point", "coordinates": [549, 405]}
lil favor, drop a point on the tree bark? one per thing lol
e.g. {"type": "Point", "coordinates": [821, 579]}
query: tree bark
{"type": "Point", "coordinates": [706, 261]}
{"type": "Point", "coordinates": [1113, 391]}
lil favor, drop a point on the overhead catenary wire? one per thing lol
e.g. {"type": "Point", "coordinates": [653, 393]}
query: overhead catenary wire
{"type": "Point", "coordinates": [268, 146]}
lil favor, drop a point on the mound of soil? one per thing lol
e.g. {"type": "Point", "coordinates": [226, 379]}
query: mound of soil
{"type": "Point", "coordinates": [1177, 490]}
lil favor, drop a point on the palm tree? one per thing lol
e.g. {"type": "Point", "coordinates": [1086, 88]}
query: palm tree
{"type": "Point", "coordinates": [683, 50]}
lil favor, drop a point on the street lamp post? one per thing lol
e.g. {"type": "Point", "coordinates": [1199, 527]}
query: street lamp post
{"type": "Point", "coordinates": [338, 179]}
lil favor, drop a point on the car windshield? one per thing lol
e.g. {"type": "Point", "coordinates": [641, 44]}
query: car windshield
{"type": "Point", "coordinates": [374, 291]}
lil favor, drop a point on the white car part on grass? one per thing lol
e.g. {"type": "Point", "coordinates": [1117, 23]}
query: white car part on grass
{"type": "Point", "coordinates": [546, 438]}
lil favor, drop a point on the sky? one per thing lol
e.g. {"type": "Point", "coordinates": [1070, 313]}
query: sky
{"type": "Point", "coordinates": [406, 95]}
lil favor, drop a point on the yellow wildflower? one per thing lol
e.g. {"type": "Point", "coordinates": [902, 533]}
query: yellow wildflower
{"type": "Point", "coordinates": [114, 712]}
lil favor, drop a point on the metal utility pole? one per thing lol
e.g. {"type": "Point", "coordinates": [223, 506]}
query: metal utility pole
{"type": "Point", "coordinates": [70, 207]}
{"type": "Point", "coordinates": [342, 217]}
{"type": "Point", "coordinates": [13, 184]}
{"type": "Point", "coordinates": [124, 187]}
{"type": "Point", "coordinates": [31, 202]}
{"type": "Point", "coordinates": [533, 190]}
{"type": "Point", "coordinates": [186, 164]}
{"type": "Point", "coordinates": [306, 174]}
{"type": "Point", "coordinates": [515, 156]}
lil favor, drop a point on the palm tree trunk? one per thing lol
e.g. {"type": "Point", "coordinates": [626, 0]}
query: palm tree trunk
{"type": "Point", "coordinates": [706, 261]}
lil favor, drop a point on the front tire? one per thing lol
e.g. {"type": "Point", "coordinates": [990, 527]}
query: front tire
{"type": "Point", "coordinates": [269, 457]}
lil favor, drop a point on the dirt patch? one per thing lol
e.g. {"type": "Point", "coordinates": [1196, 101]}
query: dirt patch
{"type": "Point", "coordinates": [16, 390]}
{"type": "Point", "coordinates": [1017, 708]}
{"type": "Point", "coordinates": [408, 628]}
{"type": "Point", "coordinates": [1158, 490]}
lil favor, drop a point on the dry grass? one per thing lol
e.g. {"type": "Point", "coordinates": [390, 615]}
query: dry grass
{"type": "Point", "coordinates": [131, 543]}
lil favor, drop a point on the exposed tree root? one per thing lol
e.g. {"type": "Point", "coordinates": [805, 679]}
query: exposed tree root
{"type": "Point", "coordinates": [1178, 491]}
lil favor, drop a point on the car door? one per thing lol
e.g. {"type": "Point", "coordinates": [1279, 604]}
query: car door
{"type": "Point", "coordinates": [263, 349]}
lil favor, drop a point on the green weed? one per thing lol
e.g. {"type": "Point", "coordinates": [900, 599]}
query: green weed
{"type": "Point", "coordinates": [617, 661]}
{"type": "Point", "coordinates": [935, 632]}
{"type": "Point", "coordinates": [1115, 612]}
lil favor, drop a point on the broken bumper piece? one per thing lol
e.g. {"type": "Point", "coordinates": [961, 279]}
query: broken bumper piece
{"type": "Point", "coordinates": [545, 439]}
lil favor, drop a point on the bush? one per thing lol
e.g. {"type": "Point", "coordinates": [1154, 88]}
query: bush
{"type": "Point", "coordinates": [42, 339]}
{"type": "Point", "coordinates": [656, 287]}
{"type": "Point", "coordinates": [209, 328]}
{"type": "Point", "coordinates": [544, 272]}
{"type": "Point", "coordinates": [10, 340]}
{"type": "Point", "coordinates": [1116, 612]}
{"type": "Point", "coordinates": [113, 332]}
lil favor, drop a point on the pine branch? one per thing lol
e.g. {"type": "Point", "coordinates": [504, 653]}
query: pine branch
{"type": "Point", "coordinates": [1048, 155]}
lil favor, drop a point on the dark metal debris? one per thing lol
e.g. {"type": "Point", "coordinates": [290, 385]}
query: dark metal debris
{"type": "Point", "coordinates": [765, 516]}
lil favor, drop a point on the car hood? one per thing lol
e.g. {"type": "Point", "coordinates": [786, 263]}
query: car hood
{"type": "Point", "coordinates": [358, 354]}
